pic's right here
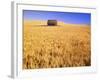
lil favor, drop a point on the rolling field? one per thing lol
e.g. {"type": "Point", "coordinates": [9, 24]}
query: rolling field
{"type": "Point", "coordinates": [65, 45]}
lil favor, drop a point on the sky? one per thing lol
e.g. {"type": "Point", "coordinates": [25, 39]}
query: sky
{"type": "Point", "coordinates": [66, 17]}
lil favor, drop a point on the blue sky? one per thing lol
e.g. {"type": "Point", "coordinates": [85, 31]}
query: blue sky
{"type": "Point", "coordinates": [67, 17]}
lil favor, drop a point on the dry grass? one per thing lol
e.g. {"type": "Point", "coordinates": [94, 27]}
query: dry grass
{"type": "Point", "coordinates": [66, 45]}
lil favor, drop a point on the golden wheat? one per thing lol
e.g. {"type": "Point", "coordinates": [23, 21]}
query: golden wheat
{"type": "Point", "coordinates": [66, 45]}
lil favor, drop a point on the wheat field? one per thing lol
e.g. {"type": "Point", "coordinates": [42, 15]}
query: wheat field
{"type": "Point", "coordinates": [65, 45]}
